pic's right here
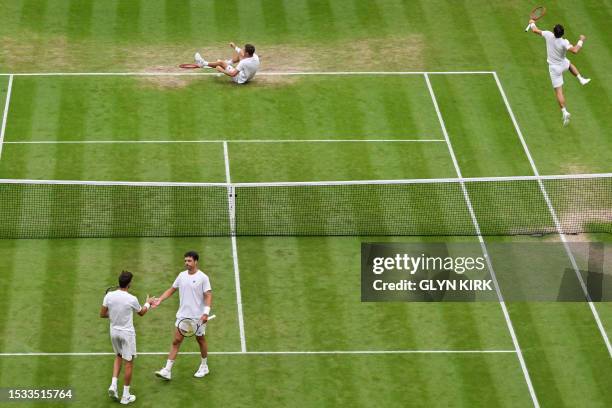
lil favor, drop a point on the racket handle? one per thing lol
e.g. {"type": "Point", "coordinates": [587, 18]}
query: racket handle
{"type": "Point", "coordinates": [211, 317]}
{"type": "Point", "coordinates": [527, 28]}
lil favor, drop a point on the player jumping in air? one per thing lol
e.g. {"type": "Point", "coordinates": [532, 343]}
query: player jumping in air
{"type": "Point", "coordinates": [247, 60]}
{"type": "Point", "coordinates": [118, 306]}
{"type": "Point", "coordinates": [195, 298]}
{"type": "Point", "coordinates": [557, 47]}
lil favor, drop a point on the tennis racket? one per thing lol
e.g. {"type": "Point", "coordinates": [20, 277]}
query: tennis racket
{"type": "Point", "coordinates": [189, 327]}
{"type": "Point", "coordinates": [536, 14]}
{"type": "Point", "coordinates": [189, 66]}
{"type": "Point", "coordinates": [111, 288]}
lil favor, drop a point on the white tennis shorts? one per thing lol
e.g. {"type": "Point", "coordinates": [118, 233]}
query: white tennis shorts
{"type": "Point", "coordinates": [124, 343]}
{"type": "Point", "coordinates": [556, 73]}
{"type": "Point", "coordinates": [201, 331]}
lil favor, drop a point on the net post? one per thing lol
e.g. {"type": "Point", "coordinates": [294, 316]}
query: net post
{"type": "Point", "coordinates": [231, 199]}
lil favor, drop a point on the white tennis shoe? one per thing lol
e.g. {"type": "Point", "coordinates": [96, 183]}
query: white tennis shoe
{"type": "Point", "coordinates": [566, 118]}
{"type": "Point", "coordinates": [202, 371]}
{"type": "Point", "coordinates": [584, 81]}
{"type": "Point", "coordinates": [199, 60]}
{"type": "Point", "coordinates": [112, 392]}
{"type": "Point", "coordinates": [164, 373]}
{"type": "Point", "coordinates": [128, 399]}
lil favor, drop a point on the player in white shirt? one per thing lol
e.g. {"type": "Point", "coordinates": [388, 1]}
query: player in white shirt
{"type": "Point", "coordinates": [556, 48]}
{"type": "Point", "coordinates": [195, 296]}
{"type": "Point", "coordinates": [119, 306]}
{"type": "Point", "coordinates": [247, 60]}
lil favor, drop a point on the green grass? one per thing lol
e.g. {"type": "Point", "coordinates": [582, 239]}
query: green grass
{"type": "Point", "coordinates": [299, 294]}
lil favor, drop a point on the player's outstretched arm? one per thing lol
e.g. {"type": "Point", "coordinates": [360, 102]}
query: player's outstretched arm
{"type": "Point", "coordinates": [576, 48]}
{"type": "Point", "coordinates": [145, 308]}
{"type": "Point", "coordinates": [157, 301]}
{"type": "Point", "coordinates": [534, 28]}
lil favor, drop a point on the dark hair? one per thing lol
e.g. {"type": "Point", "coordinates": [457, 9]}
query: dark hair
{"type": "Point", "coordinates": [559, 31]}
{"type": "Point", "coordinates": [192, 254]}
{"type": "Point", "coordinates": [125, 278]}
{"type": "Point", "coordinates": [249, 49]}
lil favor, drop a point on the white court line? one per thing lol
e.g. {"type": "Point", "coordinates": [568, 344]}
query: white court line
{"type": "Point", "coordinates": [519, 352]}
{"type": "Point", "coordinates": [231, 193]}
{"type": "Point", "coordinates": [553, 213]}
{"type": "Point", "coordinates": [223, 141]}
{"type": "Point", "coordinates": [266, 353]}
{"type": "Point", "coordinates": [311, 183]}
{"type": "Point", "coordinates": [5, 114]}
{"type": "Point", "coordinates": [259, 74]}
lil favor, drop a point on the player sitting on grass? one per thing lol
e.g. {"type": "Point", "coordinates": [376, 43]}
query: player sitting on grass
{"type": "Point", "coordinates": [195, 298]}
{"type": "Point", "coordinates": [118, 306]}
{"type": "Point", "coordinates": [557, 47]}
{"type": "Point", "coordinates": [247, 60]}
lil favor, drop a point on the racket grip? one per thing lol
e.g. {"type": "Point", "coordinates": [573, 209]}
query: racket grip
{"type": "Point", "coordinates": [527, 28]}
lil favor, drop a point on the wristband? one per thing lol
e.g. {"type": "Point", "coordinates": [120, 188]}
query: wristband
{"type": "Point", "coordinates": [206, 310]}
{"type": "Point", "coordinates": [580, 42]}
{"type": "Point", "coordinates": [147, 305]}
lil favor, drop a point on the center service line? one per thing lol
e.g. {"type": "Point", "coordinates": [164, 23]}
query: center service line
{"type": "Point", "coordinates": [232, 219]}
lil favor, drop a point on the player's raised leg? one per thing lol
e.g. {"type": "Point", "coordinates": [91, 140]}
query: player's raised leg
{"type": "Point", "coordinates": [576, 73]}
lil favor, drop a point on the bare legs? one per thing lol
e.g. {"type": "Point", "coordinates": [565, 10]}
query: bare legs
{"type": "Point", "coordinates": [560, 97]}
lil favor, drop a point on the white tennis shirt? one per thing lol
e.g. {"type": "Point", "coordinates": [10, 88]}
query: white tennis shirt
{"type": "Point", "coordinates": [247, 67]}
{"type": "Point", "coordinates": [191, 293]}
{"type": "Point", "coordinates": [121, 306]}
{"type": "Point", "coordinates": [556, 48]}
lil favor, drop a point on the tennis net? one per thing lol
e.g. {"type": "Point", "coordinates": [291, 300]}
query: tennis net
{"type": "Point", "coordinates": [501, 206]}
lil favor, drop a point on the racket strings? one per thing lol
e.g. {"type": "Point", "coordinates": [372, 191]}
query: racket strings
{"type": "Point", "coordinates": [538, 12]}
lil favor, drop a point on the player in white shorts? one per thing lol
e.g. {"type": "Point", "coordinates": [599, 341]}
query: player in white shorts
{"type": "Point", "coordinates": [119, 306]}
{"type": "Point", "coordinates": [557, 47]}
{"type": "Point", "coordinates": [195, 298]}
{"type": "Point", "coordinates": [247, 60]}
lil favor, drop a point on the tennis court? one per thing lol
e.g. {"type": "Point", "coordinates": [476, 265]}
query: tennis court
{"type": "Point", "coordinates": [288, 307]}
{"type": "Point", "coordinates": [378, 106]}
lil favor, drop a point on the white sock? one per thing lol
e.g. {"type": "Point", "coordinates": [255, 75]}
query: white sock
{"type": "Point", "coordinates": [126, 390]}
{"type": "Point", "coordinates": [169, 364]}
{"type": "Point", "coordinates": [204, 359]}
{"type": "Point", "coordinates": [114, 382]}
{"type": "Point", "coordinates": [580, 78]}
{"type": "Point", "coordinates": [564, 111]}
